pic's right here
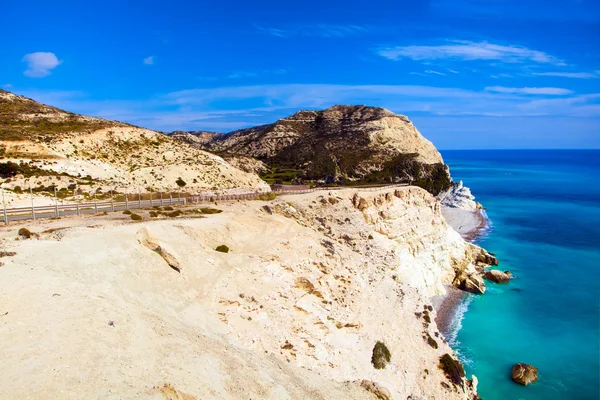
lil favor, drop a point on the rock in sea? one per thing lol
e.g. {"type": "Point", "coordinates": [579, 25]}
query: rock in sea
{"type": "Point", "coordinates": [497, 276]}
{"type": "Point", "coordinates": [524, 374]}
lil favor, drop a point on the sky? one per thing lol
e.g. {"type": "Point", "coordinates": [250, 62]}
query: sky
{"type": "Point", "coordinates": [470, 74]}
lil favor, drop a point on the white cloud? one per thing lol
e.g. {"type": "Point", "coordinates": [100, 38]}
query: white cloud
{"type": "Point", "coordinates": [431, 72]}
{"type": "Point", "coordinates": [469, 51]}
{"type": "Point", "coordinates": [577, 75]}
{"type": "Point", "coordinates": [227, 108]}
{"type": "Point", "coordinates": [7, 86]}
{"type": "Point", "coordinates": [252, 74]}
{"type": "Point", "coordinates": [502, 75]}
{"type": "Point", "coordinates": [530, 90]}
{"type": "Point", "coordinates": [242, 74]}
{"type": "Point", "coordinates": [149, 60]}
{"type": "Point", "coordinates": [316, 30]}
{"type": "Point", "coordinates": [40, 64]}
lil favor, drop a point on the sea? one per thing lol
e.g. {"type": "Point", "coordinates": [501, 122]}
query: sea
{"type": "Point", "coordinates": [544, 212]}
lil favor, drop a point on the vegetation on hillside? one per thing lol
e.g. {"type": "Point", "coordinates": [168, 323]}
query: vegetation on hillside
{"type": "Point", "coordinates": [22, 118]}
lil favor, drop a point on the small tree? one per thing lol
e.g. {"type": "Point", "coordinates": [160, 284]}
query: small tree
{"type": "Point", "coordinates": [180, 182]}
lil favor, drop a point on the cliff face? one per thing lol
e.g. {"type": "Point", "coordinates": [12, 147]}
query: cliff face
{"type": "Point", "coordinates": [340, 144]}
{"type": "Point", "coordinates": [312, 283]}
{"type": "Point", "coordinates": [106, 153]}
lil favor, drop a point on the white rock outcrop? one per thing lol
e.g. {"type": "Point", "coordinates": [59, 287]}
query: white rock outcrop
{"type": "Point", "coordinates": [294, 310]}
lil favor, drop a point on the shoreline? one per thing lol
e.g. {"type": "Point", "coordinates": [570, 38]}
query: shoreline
{"type": "Point", "coordinates": [471, 225]}
{"type": "Point", "coordinates": [446, 309]}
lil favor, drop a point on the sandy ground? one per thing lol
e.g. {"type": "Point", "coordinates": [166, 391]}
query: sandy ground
{"type": "Point", "coordinates": [468, 223]}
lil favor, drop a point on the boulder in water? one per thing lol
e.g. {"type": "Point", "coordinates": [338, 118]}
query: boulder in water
{"type": "Point", "coordinates": [524, 374]}
{"type": "Point", "coordinates": [497, 276]}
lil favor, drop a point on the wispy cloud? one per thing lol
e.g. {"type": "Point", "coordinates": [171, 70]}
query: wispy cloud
{"type": "Point", "coordinates": [432, 72]}
{"type": "Point", "coordinates": [40, 64]}
{"type": "Point", "coordinates": [259, 104]}
{"type": "Point", "coordinates": [530, 90]}
{"type": "Point", "coordinates": [149, 60]}
{"type": "Point", "coordinates": [469, 51]}
{"type": "Point", "coordinates": [7, 86]}
{"type": "Point", "coordinates": [501, 75]}
{"type": "Point", "coordinates": [317, 30]}
{"type": "Point", "coordinates": [252, 74]}
{"type": "Point", "coordinates": [576, 75]}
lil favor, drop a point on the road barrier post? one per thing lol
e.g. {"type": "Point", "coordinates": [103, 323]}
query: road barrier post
{"type": "Point", "coordinates": [32, 207]}
{"type": "Point", "coordinates": [4, 207]}
{"type": "Point", "coordinates": [161, 200]}
{"type": "Point", "coordinates": [185, 199]}
{"type": "Point", "coordinates": [77, 205]}
{"type": "Point", "coordinates": [96, 201]}
{"type": "Point", "coordinates": [179, 197]}
{"type": "Point", "coordinates": [139, 198]}
{"type": "Point", "coordinates": [151, 196]}
{"type": "Point", "coordinates": [112, 203]}
{"type": "Point", "coordinates": [170, 198]}
{"type": "Point", "coordinates": [126, 201]}
{"type": "Point", "coordinates": [55, 203]}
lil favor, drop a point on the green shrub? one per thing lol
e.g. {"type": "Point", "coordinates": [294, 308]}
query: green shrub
{"type": "Point", "coordinates": [453, 368]}
{"type": "Point", "coordinates": [127, 212]}
{"type": "Point", "coordinates": [267, 196]}
{"type": "Point", "coordinates": [208, 210]}
{"type": "Point", "coordinates": [222, 248]}
{"type": "Point", "coordinates": [153, 214]}
{"type": "Point", "coordinates": [168, 208]}
{"type": "Point", "coordinates": [180, 182]}
{"type": "Point", "coordinates": [381, 356]}
{"type": "Point", "coordinates": [431, 341]}
{"type": "Point", "coordinates": [136, 217]}
{"type": "Point", "coordinates": [24, 232]}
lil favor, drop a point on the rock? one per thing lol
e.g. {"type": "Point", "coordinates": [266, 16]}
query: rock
{"type": "Point", "coordinates": [459, 196]}
{"type": "Point", "coordinates": [379, 391]}
{"type": "Point", "coordinates": [497, 276]}
{"type": "Point", "coordinates": [486, 258]}
{"type": "Point", "coordinates": [169, 258]}
{"type": "Point", "coordinates": [148, 240]}
{"type": "Point", "coordinates": [524, 374]}
{"type": "Point", "coordinates": [169, 392]}
{"type": "Point", "coordinates": [469, 283]}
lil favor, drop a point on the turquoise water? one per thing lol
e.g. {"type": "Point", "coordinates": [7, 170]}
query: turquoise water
{"type": "Point", "coordinates": [544, 208]}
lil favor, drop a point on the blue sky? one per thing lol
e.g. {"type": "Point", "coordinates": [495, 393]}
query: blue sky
{"type": "Point", "coordinates": [470, 74]}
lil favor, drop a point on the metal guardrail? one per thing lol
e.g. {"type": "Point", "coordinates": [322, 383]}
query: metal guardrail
{"type": "Point", "coordinates": [75, 208]}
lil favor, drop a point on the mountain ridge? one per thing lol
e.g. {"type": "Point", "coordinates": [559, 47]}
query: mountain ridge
{"type": "Point", "coordinates": [341, 144]}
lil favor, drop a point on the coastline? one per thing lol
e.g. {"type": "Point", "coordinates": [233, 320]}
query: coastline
{"type": "Point", "coordinates": [471, 225]}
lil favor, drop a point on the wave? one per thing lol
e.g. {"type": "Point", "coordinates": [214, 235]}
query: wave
{"type": "Point", "coordinates": [486, 230]}
{"type": "Point", "coordinates": [456, 325]}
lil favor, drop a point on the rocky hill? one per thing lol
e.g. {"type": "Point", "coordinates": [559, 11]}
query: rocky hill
{"type": "Point", "coordinates": [52, 147]}
{"type": "Point", "coordinates": [342, 144]}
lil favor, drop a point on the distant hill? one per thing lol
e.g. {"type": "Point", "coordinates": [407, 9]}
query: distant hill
{"type": "Point", "coordinates": [59, 147]}
{"type": "Point", "coordinates": [342, 144]}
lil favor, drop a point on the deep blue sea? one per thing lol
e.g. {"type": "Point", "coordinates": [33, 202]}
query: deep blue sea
{"type": "Point", "coordinates": [544, 208]}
